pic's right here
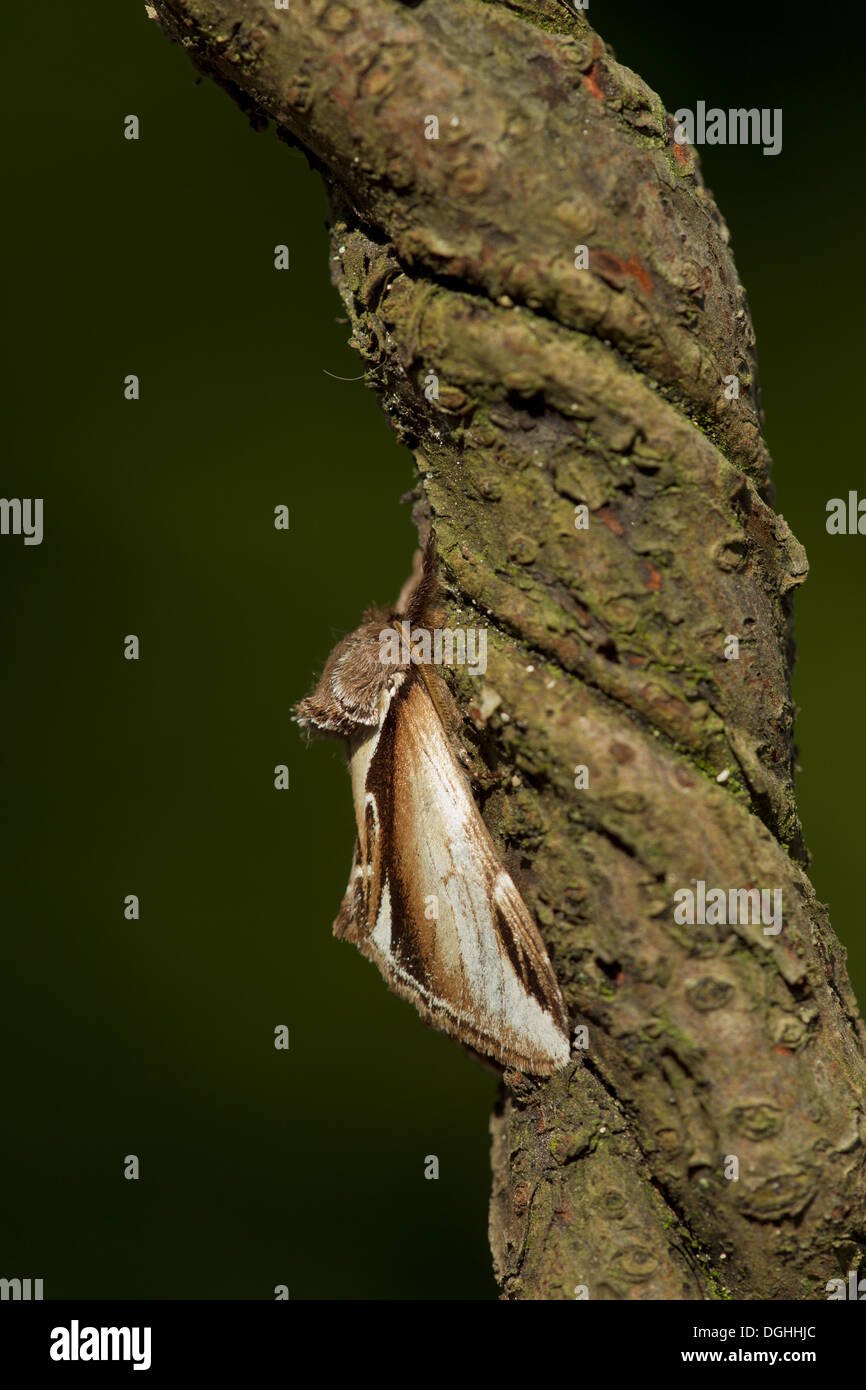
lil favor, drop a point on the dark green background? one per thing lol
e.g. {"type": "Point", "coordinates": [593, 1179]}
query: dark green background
{"type": "Point", "coordinates": [155, 777]}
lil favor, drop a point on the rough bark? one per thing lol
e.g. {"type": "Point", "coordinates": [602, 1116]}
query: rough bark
{"type": "Point", "coordinates": [602, 387]}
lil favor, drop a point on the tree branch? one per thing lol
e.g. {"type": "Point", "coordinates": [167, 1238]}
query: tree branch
{"type": "Point", "coordinates": [560, 388]}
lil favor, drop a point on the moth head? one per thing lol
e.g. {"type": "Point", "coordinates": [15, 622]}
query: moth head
{"type": "Point", "coordinates": [357, 684]}
{"type": "Point", "coordinates": [364, 671]}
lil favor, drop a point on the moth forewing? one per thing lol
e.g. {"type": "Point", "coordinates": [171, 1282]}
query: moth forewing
{"type": "Point", "coordinates": [430, 903]}
{"type": "Point", "coordinates": [428, 899]}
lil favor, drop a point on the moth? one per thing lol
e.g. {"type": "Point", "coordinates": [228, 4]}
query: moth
{"type": "Point", "coordinates": [428, 899]}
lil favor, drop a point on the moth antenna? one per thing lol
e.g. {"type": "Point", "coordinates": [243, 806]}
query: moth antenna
{"type": "Point", "coordinates": [423, 597]}
{"type": "Point", "coordinates": [432, 682]}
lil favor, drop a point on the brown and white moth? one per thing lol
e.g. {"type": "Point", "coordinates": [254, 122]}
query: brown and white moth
{"type": "Point", "coordinates": [428, 899]}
